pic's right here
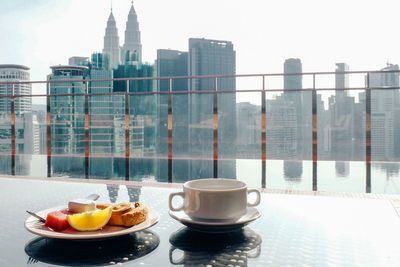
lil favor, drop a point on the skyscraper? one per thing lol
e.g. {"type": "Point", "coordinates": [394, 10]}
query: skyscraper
{"type": "Point", "coordinates": [132, 37]}
{"type": "Point", "coordinates": [341, 111]}
{"type": "Point", "coordinates": [15, 73]}
{"type": "Point", "coordinates": [111, 42]}
{"type": "Point", "coordinates": [173, 63]}
{"type": "Point", "coordinates": [294, 99]}
{"type": "Point", "coordinates": [292, 65]}
{"type": "Point", "coordinates": [26, 136]}
{"type": "Point", "coordinates": [101, 120]}
{"type": "Point", "coordinates": [212, 57]}
{"type": "Point", "coordinates": [341, 80]}
{"type": "Point", "coordinates": [385, 113]}
{"type": "Point", "coordinates": [68, 118]}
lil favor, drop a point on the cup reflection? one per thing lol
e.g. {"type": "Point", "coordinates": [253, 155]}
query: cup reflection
{"type": "Point", "coordinates": [192, 248]}
{"type": "Point", "coordinates": [92, 252]}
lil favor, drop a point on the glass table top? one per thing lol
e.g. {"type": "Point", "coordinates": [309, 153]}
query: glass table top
{"type": "Point", "coordinates": [293, 230]}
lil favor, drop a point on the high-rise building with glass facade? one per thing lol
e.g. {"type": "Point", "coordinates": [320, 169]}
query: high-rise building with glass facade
{"type": "Point", "coordinates": [132, 37]}
{"type": "Point", "coordinates": [15, 73]}
{"type": "Point", "coordinates": [142, 106]}
{"type": "Point", "coordinates": [385, 113]}
{"type": "Point", "coordinates": [111, 42]}
{"type": "Point", "coordinates": [172, 63]}
{"type": "Point", "coordinates": [212, 57]}
{"type": "Point", "coordinates": [102, 112]}
{"type": "Point", "coordinates": [26, 128]}
{"type": "Point", "coordinates": [341, 111]}
{"type": "Point", "coordinates": [68, 117]}
{"type": "Point", "coordinates": [294, 99]}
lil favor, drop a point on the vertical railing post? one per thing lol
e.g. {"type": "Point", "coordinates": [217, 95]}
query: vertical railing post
{"type": "Point", "coordinates": [127, 146]}
{"type": "Point", "coordinates": [263, 136]}
{"type": "Point", "coordinates": [169, 131]}
{"type": "Point", "coordinates": [12, 129]}
{"type": "Point", "coordinates": [48, 124]}
{"type": "Point", "coordinates": [215, 128]}
{"type": "Point", "coordinates": [87, 130]}
{"type": "Point", "coordinates": [368, 136]}
{"type": "Point", "coordinates": [314, 136]}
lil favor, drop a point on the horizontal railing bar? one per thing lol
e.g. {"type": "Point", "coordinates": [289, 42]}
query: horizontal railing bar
{"type": "Point", "coordinates": [117, 156]}
{"type": "Point", "coordinates": [203, 76]}
{"type": "Point", "coordinates": [209, 92]}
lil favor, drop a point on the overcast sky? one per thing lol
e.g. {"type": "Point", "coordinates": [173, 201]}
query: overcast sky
{"type": "Point", "coordinates": [364, 34]}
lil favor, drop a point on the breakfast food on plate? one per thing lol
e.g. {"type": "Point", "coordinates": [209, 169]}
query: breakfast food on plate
{"type": "Point", "coordinates": [81, 205]}
{"type": "Point", "coordinates": [126, 213]}
{"type": "Point", "coordinates": [85, 215]}
{"type": "Point", "coordinates": [57, 220]}
{"type": "Point", "coordinates": [90, 220]}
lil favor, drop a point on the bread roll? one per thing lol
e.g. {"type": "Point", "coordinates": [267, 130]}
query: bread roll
{"type": "Point", "coordinates": [126, 213]}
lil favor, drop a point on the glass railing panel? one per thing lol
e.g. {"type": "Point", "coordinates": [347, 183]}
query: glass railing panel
{"type": "Point", "coordinates": [248, 151]}
{"type": "Point", "coordinates": [246, 83]}
{"type": "Point", "coordinates": [201, 136]}
{"type": "Point", "coordinates": [227, 134]}
{"type": "Point", "coordinates": [248, 121]}
{"type": "Point", "coordinates": [341, 131]}
{"type": "Point", "coordinates": [30, 134]}
{"type": "Point", "coordinates": [325, 81]}
{"type": "Point", "coordinates": [289, 125]}
{"type": "Point", "coordinates": [289, 174]}
{"type": "Point", "coordinates": [142, 139]}
{"type": "Point", "coordinates": [180, 137]}
{"type": "Point", "coordinates": [341, 176]}
{"type": "Point", "coordinates": [105, 116]}
{"type": "Point", "coordinates": [161, 140]}
{"type": "Point", "coordinates": [68, 129]}
{"type": "Point", "coordinates": [5, 129]}
{"type": "Point", "coordinates": [385, 122]}
{"type": "Point", "coordinates": [287, 140]}
{"type": "Point", "coordinates": [341, 117]}
{"type": "Point", "coordinates": [385, 178]}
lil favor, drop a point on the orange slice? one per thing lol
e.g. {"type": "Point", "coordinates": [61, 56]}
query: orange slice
{"type": "Point", "coordinates": [90, 220]}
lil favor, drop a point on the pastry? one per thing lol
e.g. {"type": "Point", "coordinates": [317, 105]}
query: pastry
{"type": "Point", "coordinates": [126, 213]}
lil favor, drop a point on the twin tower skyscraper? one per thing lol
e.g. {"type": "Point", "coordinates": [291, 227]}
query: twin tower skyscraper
{"type": "Point", "coordinates": [132, 43]}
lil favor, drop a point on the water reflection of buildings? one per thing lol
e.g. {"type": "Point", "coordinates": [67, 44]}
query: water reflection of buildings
{"type": "Point", "coordinates": [293, 170]}
{"type": "Point", "coordinates": [342, 168]}
{"type": "Point", "coordinates": [392, 169]}
{"type": "Point", "coordinates": [133, 193]}
{"type": "Point", "coordinates": [113, 192]}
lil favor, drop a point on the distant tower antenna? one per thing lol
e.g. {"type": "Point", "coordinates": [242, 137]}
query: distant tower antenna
{"type": "Point", "coordinates": [111, 6]}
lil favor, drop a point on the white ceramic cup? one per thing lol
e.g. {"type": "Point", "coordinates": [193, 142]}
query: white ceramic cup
{"type": "Point", "coordinates": [214, 199]}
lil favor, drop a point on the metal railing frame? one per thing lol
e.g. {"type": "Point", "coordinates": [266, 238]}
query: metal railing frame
{"type": "Point", "coordinates": [215, 93]}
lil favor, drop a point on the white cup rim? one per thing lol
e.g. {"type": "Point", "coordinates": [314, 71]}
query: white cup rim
{"type": "Point", "coordinates": [241, 185]}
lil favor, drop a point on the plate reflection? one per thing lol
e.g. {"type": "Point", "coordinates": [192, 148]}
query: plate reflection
{"type": "Point", "coordinates": [97, 252]}
{"type": "Point", "coordinates": [197, 248]}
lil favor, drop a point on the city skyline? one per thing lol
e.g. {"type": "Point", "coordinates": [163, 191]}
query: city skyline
{"type": "Point", "coordinates": [51, 33]}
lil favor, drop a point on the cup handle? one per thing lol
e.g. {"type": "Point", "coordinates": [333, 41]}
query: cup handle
{"type": "Point", "coordinates": [256, 254]}
{"type": "Point", "coordinates": [255, 203]}
{"type": "Point", "coordinates": [171, 257]}
{"type": "Point", "coordinates": [171, 196]}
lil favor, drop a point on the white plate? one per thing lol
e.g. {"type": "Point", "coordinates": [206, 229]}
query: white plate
{"type": "Point", "coordinates": [34, 226]}
{"type": "Point", "coordinates": [216, 226]}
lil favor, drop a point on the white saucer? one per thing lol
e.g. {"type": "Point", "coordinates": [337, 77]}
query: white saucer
{"type": "Point", "coordinates": [216, 226]}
